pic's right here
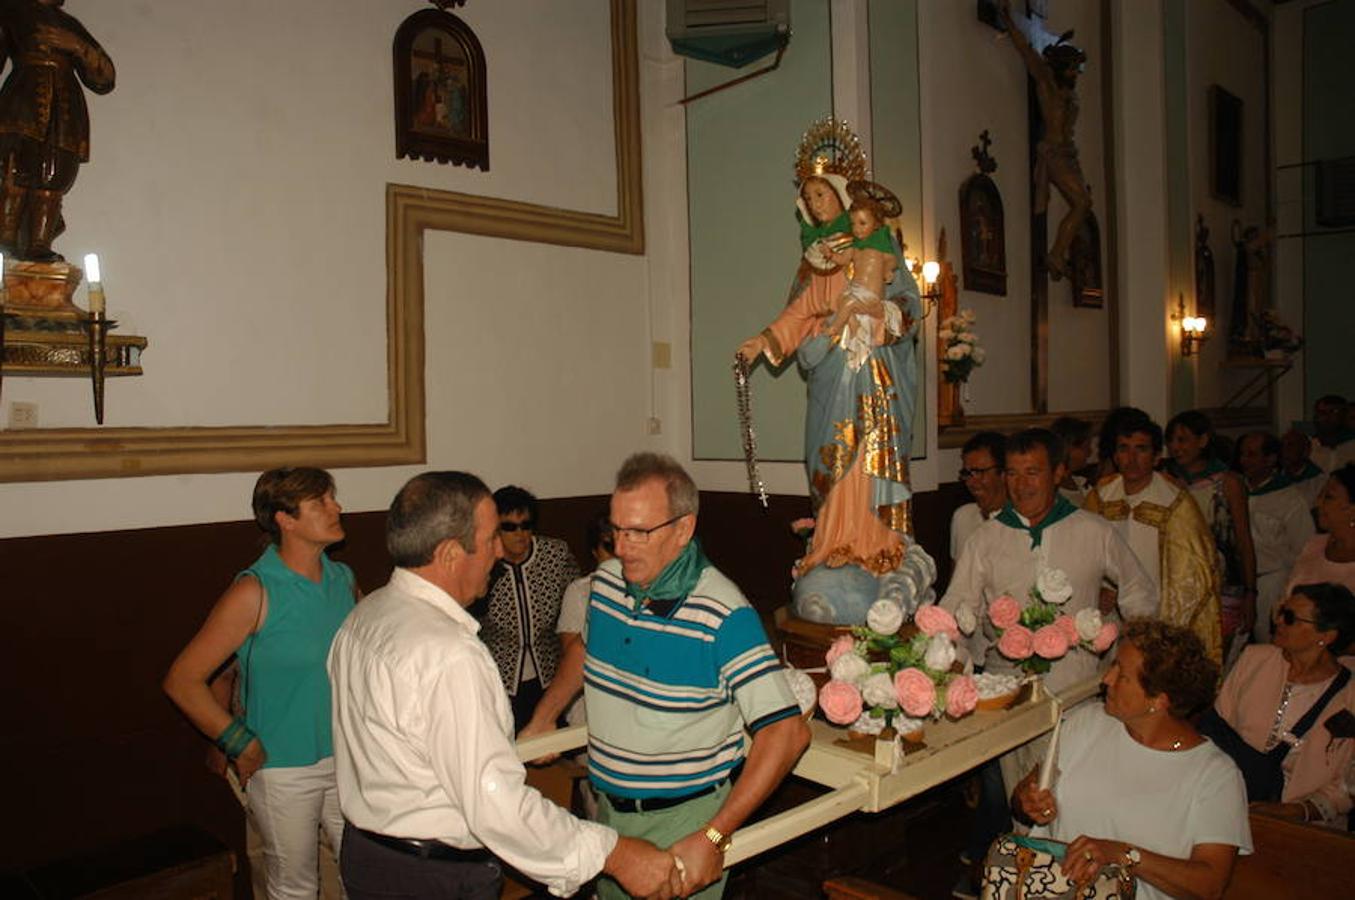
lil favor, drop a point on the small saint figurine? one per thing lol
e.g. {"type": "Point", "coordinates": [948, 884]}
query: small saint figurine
{"type": "Point", "coordinates": [44, 124]}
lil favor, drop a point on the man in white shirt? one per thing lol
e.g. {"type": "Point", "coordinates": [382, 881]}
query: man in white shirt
{"type": "Point", "coordinates": [1280, 522]}
{"type": "Point", "coordinates": [1037, 531]}
{"type": "Point", "coordinates": [429, 780]}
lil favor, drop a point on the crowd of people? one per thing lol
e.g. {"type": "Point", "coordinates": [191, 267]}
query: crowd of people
{"type": "Point", "coordinates": [1248, 557]}
{"type": "Point", "coordinates": [388, 722]}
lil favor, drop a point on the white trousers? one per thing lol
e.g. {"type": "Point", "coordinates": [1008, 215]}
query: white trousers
{"type": "Point", "coordinates": [289, 806]}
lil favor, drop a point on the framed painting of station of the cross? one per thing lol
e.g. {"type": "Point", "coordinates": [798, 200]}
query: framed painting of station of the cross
{"type": "Point", "coordinates": [440, 91]}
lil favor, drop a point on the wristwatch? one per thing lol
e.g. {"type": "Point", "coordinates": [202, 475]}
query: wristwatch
{"type": "Point", "coordinates": [718, 838]}
{"type": "Point", "coordinates": [1132, 856]}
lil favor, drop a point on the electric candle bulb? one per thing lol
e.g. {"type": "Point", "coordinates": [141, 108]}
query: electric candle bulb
{"type": "Point", "coordinates": [96, 288]}
{"type": "Point", "coordinates": [930, 270]}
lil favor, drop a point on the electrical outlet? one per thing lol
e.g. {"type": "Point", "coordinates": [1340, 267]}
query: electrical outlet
{"type": "Point", "coordinates": [663, 357]}
{"type": "Point", "coordinates": [654, 425]}
{"type": "Point", "coordinates": [23, 415]}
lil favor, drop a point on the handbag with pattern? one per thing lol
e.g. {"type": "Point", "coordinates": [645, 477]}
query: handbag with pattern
{"type": "Point", "coordinates": [1019, 867]}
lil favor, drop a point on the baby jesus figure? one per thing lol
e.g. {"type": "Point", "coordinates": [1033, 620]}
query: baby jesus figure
{"type": "Point", "coordinates": [862, 319]}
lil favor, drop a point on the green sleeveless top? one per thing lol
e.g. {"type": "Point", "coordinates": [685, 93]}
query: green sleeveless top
{"type": "Point", "coordinates": [283, 680]}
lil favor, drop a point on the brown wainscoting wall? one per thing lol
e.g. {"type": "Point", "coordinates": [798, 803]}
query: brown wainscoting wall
{"type": "Point", "coordinates": [93, 752]}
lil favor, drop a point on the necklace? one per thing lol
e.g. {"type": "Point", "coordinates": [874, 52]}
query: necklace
{"type": "Point", "coordinates": [743, 395]}
{"type": "Point", "coordinates": [1176, 745]}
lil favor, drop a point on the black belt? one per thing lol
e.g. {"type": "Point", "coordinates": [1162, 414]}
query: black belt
{"type": "Point", "coordinates": [650, 804]}
{"type": "Point", "coordinates": [426, 849]}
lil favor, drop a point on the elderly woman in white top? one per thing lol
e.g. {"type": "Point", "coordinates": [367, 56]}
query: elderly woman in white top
{"type": "Point", "coordinates": [1137, 785]}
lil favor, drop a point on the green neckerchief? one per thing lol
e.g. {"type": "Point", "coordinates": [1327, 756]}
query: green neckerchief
{"type": "Point", "coordinates": [811, 233]}
{"type": "Point", "coordinates": [1212, 467]}
{"type": "Point", "coordinates": [1277, 482]}
{"type": "Point", "coordinates": [677, 579]}
{"type": "Point", "coordinates": [877, 240]}
{"type": "Point", "coordinates": [1310, 470]}
{"type": "Point", "coordinates": [1061, 510]}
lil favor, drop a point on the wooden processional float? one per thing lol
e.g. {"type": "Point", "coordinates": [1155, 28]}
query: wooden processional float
{"type": "Point", "coordinates": [864, 782]}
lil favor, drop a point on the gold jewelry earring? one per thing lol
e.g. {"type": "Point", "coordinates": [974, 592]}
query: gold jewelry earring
{"type": "Point", "coordinates": [1151, 709]}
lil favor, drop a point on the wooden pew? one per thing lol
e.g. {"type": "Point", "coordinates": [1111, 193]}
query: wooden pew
{"type": "Point", "coordinates": [1293, 860]}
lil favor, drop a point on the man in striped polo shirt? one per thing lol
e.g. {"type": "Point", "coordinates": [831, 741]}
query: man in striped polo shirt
{"type": "Point", "coordinates": [677, 667]}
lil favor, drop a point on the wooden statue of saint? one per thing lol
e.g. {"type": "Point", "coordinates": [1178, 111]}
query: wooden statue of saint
{"type": "Point", "coordinates": [44, 124]}
{"type": "Point", "coordinates": [1055, 72]}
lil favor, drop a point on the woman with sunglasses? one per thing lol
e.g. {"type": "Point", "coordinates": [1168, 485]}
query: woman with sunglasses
{"type": "Point", "coordinates": [1274, 685]}
{"type": "Point", "coordinates": [524, 603]}
{"type": "Point", "coordinates": [1331, 556]}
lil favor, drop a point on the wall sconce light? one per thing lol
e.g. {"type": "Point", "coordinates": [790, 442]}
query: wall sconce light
{"type": "Point", "coordinates": [1194, 329]}
{"type": "Point", "coordinates": [926, 273]}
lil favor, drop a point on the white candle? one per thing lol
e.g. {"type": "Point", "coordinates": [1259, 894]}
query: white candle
{"type": "Point", "coordinates": [1052, 754]}
{"type": "Point", "coordinates": [96, 288]}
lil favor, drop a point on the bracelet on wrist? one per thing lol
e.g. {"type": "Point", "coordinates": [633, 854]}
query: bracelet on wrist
{"type": "Point", "coordinates": [235, 738]}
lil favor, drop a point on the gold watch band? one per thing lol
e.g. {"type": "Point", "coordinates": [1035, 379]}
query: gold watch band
{"type": "Point", "coordinates": [718, 838]}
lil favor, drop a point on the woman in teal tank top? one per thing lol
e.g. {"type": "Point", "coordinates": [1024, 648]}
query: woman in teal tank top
{"type": "Point", "coordinates": [277, 621]}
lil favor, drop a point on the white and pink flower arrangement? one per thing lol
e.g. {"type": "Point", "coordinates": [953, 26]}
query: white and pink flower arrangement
{"type": "Point", "coordinates": [960, 350]}
{"type": "Point", "coordinates": [881, 679]}
{"type": "Point", "coordinates": [1042, 632]}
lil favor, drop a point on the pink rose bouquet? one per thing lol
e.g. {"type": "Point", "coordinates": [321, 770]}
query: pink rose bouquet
{"type": "Point", "coordinates": [1005, 612]}
{"type": "Point", "coordinates": [917, 692]}
{"type": "Point", "coordinates": [1069, 627]}
{"type": "Point", "coordinates": [1016, 643]}
{"type": "Point", "coordinates": [1105, 637]}
{"type": "Point", "coordinates": [962, 696]}
{"type": "Point", "coordinates": [1050, 642]}
{"type": "Point", "coordinates": [844, 644]}
{"type": "Point", "coordinates": [889, 676]}
{"type": "Point", "coordinates": [840, 702]}
{"type": "Point", "coordinates": [932, 620]}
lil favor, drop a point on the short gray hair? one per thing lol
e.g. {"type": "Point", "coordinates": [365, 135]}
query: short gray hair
{"type": "Point", "coordinates": [683, 497]}
{"type": "Point", "coordinates": [431, 508]}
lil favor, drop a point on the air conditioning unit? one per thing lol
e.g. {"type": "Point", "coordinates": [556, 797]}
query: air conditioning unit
{"type": "Point", "coordinates": [728, 32]}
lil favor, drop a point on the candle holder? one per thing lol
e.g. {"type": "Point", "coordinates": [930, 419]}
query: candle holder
{"type": "Point", "coordinates": [98, 325]}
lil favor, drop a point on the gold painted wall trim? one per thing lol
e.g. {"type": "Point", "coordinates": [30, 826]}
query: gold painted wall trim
{"type": "Point", "coordinates": [54, 454]}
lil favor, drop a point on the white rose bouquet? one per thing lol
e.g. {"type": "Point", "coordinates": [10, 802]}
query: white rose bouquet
{"type": "Point", "coordinates": [960, 350]}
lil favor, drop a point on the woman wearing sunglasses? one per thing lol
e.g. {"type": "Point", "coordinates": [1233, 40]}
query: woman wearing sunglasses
{"type": "Point", "coordinates": [1273, 686]}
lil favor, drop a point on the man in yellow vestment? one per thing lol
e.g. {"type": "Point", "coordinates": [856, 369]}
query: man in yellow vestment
{"type": "Point", "coordinates": [1164, 528]}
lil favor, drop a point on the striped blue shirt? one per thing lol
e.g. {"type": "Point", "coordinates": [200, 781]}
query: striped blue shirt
{"type": "Point", "coordinates": [669, 697]}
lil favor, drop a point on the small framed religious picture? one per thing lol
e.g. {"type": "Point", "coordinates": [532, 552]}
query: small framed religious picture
{"type": "Point", "coordinates": [1084, 263]}
{"type": "Point", "coordinates": [983, 245]}
{"type": "Point", "coordinates": [440, 109]}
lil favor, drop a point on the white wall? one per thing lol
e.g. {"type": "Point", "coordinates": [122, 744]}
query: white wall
{"type": "Point", "coordinates": [1227, 50]}
{"type": "Point", "coordinates": [236, 195]}
{"type": "Point", "coordinates": [975, 80]}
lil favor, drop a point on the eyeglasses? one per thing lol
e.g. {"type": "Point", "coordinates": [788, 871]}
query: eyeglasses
{"type": "Point", "coordinates": [639, 535]}
{"type": "Point", "coordinates": [510, 527]}
{"type": "Point", "coordinates": [1289, 617]}
{"type": "Point", "coordinates": [966, 474]}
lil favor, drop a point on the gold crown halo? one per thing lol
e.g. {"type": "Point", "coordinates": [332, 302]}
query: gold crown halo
{"type": "Point", "coordinates": [830, 147]}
